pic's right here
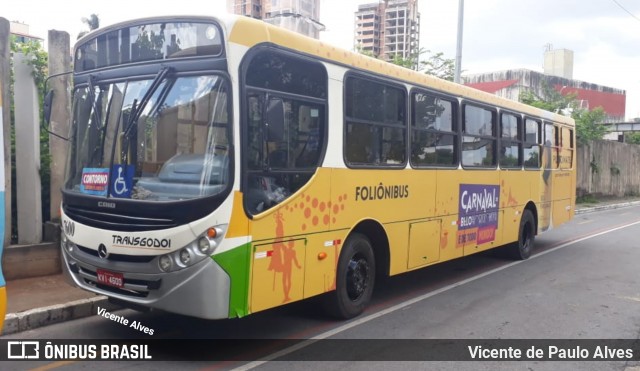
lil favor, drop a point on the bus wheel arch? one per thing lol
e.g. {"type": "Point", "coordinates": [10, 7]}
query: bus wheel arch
{"type": "Point", "coordinates": [379, 242]}
{"type": "Point", "coordinates": [362, 258]}
{"type": "Point", "coordinates": [534, 211]}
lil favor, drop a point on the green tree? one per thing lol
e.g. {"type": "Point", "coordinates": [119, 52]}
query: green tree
{"type": "Point", "coordinates": [550, 99]}
{"type": "Point", "coordinates": [368, 53]}
{"type": "Point", "coordinates": [588, 122]}
{"type": "Point", "coordinates": [633, 138]}
{"type": "Point", "coordinates": [92, 22]}
{"type": "Point", "coordinates": [435, 65]}
{"type": "Point", "coordinates": [409, 63]}
{"type": "Point", "coordinates": [439, 66]}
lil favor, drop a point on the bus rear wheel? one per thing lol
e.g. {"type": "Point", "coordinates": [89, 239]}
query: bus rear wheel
{"type": "Point", "coordinates": [521, 250]}
{"type": "Point", "coordinates": [355, 277]}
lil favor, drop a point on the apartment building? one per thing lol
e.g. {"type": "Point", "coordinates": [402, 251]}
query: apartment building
{"type": "Point", "coordinates": [388, 28]}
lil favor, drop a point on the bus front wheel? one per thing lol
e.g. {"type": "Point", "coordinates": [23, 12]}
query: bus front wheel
{"type": "Point", "coordinates": [355, 277]}
{"type": "Point", "coordinates": [521, 250]}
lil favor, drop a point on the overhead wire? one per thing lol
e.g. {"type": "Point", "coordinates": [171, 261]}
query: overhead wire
{"type": "Point", "coordinates": [625, 9]}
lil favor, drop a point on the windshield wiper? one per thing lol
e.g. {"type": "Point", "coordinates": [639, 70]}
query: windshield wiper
{"type": "Point", "coordinates": [94, 108]}
{"type": "Point", "coordinates": [138, 107]}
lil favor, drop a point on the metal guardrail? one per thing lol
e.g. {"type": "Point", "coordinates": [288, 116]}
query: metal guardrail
{"type": "Point", "coordinates": [623, 126]}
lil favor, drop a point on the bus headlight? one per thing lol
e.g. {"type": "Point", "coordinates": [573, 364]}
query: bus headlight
{"type": "Point", "coordinates": [185, 257]}
{"type": "Point", "coordinates": [196, 251]}
{"type": "Point", "coordinates": [165, 263]}
{"type": "Point", "coordinates": [66, 243]}
{"type": "Point", "coordinates": [203, 245]}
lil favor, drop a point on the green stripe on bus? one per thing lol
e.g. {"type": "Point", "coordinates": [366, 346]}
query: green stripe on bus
{"type": "Point", "coordinates": [236, 263]}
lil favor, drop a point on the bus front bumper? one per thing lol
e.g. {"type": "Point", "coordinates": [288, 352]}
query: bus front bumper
{"type": "Point", "coordinates": [202, 290]}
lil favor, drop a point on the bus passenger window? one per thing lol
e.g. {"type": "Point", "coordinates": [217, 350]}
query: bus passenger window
{"type": "Point", "coordinates": [566, 154]}
{"type": "Point", "coordinates": [297, 146]}
{"type": "Point", "coordinates": [511, 142]}
{"type": "Point", "coordinates": [375, 123]}
{"type": "Point", "coordinates": [284, 136]}
{"type": "Point", "coordinates": [479, 140]}
{"type": "Point", "coordinates": [531, 152]}
{"type": "Point", "coordinates": [433, 134]}
{"type": "Point", "coordinates": [550, 148]}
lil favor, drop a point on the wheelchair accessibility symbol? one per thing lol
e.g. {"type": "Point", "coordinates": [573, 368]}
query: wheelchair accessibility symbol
{"type": "Point", "coordinates": [122, 179]}
{"type": "Point", "coordinates": [120, 185]}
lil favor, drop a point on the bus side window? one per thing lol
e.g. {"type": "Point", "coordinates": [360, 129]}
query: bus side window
{"type": "Point", "coordinates": [479, 137]}
{"type": "Point", "coordinates": [285, 126]}
{"type": "Point", "coordinates": [511, 143]}
{"type": "Point", "coordinates": [566, 157]}
{"type": "Point", "coordinates": [433, 131]}
{"type": "Point", "coordinates": [532, 139]}
{"type": "Point", "coordinates": [375, 123]}
{"type": "Point", "coordinates": [550, 150]}
{"type": "Point", "coordinates": [255, 149]}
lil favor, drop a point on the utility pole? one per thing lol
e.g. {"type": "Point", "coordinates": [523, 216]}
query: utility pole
{"type": "Point", "coordinates": [456, 75]}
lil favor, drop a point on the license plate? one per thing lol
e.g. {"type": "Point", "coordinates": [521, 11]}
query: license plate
{"type": "Point", "coordinates": [110, 278]}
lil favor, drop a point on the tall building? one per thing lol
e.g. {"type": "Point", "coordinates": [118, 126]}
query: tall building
{"type": "Point", "coordinates": [301, 16]}
{"type": "Point", "coordinates": [388, 28]}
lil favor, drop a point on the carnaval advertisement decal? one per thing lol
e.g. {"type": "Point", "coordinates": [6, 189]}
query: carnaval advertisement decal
{"type": "Point", "coordinates": [477, 213]}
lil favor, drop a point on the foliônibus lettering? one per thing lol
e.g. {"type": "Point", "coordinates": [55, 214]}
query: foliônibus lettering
{"type": "Point", "coordinates": [381, 192]}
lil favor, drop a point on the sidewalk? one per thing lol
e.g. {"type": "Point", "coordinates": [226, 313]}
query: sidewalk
{"type": "Point", "coordinates": [41, 301]}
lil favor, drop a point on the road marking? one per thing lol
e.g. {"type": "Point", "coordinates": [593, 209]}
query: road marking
{"type": "Point", "coordinates": [585, 222]}
{"type": "Point", "coordinates": [407, 303]}
{"type": "Point", "coordinates": [631, 298]}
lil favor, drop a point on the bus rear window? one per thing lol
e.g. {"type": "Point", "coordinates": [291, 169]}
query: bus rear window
{"type": "Point", "coordinates": [148, 42]}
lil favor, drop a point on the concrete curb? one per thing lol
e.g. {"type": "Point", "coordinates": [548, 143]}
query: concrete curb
{"type": "Point", "coordinates": [39, 317]}
{"type": "Point", "coordinates": [592, 209]}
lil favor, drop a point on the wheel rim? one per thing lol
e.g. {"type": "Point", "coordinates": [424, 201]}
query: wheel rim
{"type": "Point", "coordinates": [357, 277]}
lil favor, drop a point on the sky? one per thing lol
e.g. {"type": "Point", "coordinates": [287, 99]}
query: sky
{"type": "Point", "coordinates": [497, 34]}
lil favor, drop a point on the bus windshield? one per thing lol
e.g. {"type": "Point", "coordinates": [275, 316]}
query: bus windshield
{"type": "Point", "coordinates": [158, 139]}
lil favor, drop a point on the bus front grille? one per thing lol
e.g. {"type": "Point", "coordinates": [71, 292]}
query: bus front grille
{"type": "Point", "coordinates": [132, 287]}
{"type": "Point", "coordinates": [119, 257]}
{"type": "Point", "coordinates": [117, 222]}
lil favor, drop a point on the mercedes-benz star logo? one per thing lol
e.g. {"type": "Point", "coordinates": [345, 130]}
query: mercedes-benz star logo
{"type": "Point", "coordinates": [102, 251]}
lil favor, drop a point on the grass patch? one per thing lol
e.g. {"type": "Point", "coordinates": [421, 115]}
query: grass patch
{"type": "Point", "coordinates": [587, 199]}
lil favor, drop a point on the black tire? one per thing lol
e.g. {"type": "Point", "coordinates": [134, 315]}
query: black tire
{"type": "Point", "coordinates": [355, 277]}
{"type": "Point", "coordinates": [521, 250]}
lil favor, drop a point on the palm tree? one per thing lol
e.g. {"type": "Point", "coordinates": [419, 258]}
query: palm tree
{"type": "Point", "coordinates": [93, 22]}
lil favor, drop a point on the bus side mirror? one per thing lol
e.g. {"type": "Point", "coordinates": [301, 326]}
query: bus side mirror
{"type": "Point", "coordinates": [275, 120]}
{"type": "Point", "coordinates": [46, 107]}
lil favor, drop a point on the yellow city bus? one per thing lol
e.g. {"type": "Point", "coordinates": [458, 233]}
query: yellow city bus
{"type": "Point", "coordinates": [221, 166]}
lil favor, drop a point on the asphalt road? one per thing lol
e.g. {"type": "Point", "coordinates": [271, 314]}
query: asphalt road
{"type": "Point", "coordinates": [583, 282]}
